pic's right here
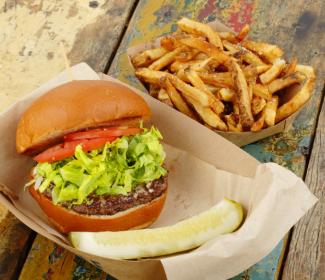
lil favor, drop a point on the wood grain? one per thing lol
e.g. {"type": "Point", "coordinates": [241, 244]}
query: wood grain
{"type": "Point", "coordinates": [47, 260]}
{"type": "Point", "coordinates": [288, 23]}
{"type": "Point", "coordinates": [306, 257]}
{"type": "Point", "coordinates": [30, 32]}
{"type": "Point", "coordinates": [14, 237]}
{"type": "Point", "coordinates": [293, 25]}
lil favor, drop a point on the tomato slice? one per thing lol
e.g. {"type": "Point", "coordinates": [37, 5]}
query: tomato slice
{"type": "Point", "coordinates": [67, 149]}
{"type": "Point", "coordinates": [103, 132]}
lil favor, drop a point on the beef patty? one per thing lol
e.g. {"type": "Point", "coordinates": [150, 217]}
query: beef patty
{"type": "Point", "coordinates": [112, 204]}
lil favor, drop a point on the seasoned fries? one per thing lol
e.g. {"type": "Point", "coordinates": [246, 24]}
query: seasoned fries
{"type": "Point", "coordinates": [262, 91]}
{"type": "Point", "coordinates": [278, 84]}
{"type": "Point", "coordinates": [258, 105]}
{"type": "Point", "coordinates": [191, 26]}
{"type": "Point", "coordinates": [227, 94]}
{"type": "Point", "coordinates": [233, 123]}
{"type": "Point", "coordinates": [222, 79]}
{"type": "Point", "coordinates": [258, 125]}
{"type": "Point", "coordinates": [228, 37]}
{"type": "Point", "coordinates": [301, 97]}
{"type": "Point", "coordinates": [207, 48]}
{"type": "Point", "coordinates": [210, 117]}
{"type": "Point", "coordinates": [177, 99]}
{"type": "Point", "coordinates": [148, 56]}
{"type": "Point", "coordinates": [242, 95]}
{"type": "Point", "coordinates": [191, 94]}
{"type": "Point", "coordinates": [250, 58]}
{"type": "Point", "coordinates": [243, 33]}
{"type": "Point", "coordinates": [270, 110]}
{"type": "Point", "coordinates": [215, 104]}
{"type": "Point", "coordinates": [154, 90]}
{"type": "Point", "coordinates": [150, 76]}
{"type": "Point", "coordinates": [163, 97]}
{"type": "Point", "coordinates": [273, 72]}
{"type": "Point", "coordinates": [266, 51]}
{"type": "Point", "coordinates": [290, 68]}
{"type": "Point", "coordinates": [165, 60]}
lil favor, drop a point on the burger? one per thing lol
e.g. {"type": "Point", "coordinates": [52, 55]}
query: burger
{"type": "Point", "coordinates": [96, 167]}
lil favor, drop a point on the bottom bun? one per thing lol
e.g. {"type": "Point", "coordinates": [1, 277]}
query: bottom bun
{"type": "Point", "coordinates": [66, 220]}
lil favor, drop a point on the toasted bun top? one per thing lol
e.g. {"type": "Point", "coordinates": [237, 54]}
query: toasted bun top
{"type": "Point", "coordinates": [76, 106]}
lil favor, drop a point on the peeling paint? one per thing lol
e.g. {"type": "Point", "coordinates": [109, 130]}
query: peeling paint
{"type": "Point", "coordinates": [27, 39]}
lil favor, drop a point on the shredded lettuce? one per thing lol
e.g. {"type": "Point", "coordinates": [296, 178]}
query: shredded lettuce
{"type": "Point", "coordinates": [114, 169]}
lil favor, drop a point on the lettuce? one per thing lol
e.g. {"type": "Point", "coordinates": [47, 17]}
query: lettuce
{"type": "Point", "coordinates": [114, 169]}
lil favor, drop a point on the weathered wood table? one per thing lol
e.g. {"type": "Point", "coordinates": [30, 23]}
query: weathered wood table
{"type": "Point", "coordinates": [99, 32]}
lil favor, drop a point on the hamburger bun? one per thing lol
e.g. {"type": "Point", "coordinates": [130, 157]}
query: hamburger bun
{"type": "Point", "coordinates": [66, 220]}
{"type": "Point", "coordinates": [58, 112]}
{"type": "Point", "coordinates": [78, 106]}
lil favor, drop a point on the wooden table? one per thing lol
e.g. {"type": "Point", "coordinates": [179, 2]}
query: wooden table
{"type": "Point", "coordinates": [99, 32]}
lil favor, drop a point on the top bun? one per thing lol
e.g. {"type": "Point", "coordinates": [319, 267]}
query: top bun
{"type": "Point", "coordinates": [76, 106]}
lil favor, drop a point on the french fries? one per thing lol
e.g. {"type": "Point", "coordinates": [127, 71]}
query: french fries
{"type": "Point", "coordinates": [154, 90]}
{"type": "Point", "coordinates": [270, 110]}
{"type": "Point", "coordinates": [177, 99]}
{"type": "Point", "coordinates": [242, 95]}
{"type": "Point", "coordinates": [222, 79]}
{"type": "Point", "coordinates": [169, 43]}
{"type": "Point", "coordinates": [150, 76]}
{"type": "Point", "coordinates": [251, 58]}
{"type": "Point", "coordinates": [186, 55]}
{"type": "Point", "coordinates": [207, 48]}
{"type": "Point", "coordinates": [243, 33]}
{"type": "Point", "coordinates": [266, 51]}
{"type": "Point", "coordinates": [233, 123]}
{"type": "Point", "coordinates": [290, 68]}
{"type": "Point", "coordinates": [273, 72]}
{"type": "Point", "coordinates": [147, 57]}
{"type": "Point", "coordinates": [258, 105]}
{"type": "Point", "coordinates": [227, 94]}
{"type": "Point", "coordinates": [178, 65]}
{"type": "Point", "coordinates": [215, 104]}
{"type": "Point", "coordinates": [262, 91]}
{"type": "Point", "coordinates": [228, 37]}
{"type": "Point", "coordinates": [278, 84]}
{"type": "Point", "coordinates": [165, 59]}
{"type": "Point", "coordinates": [259, 123]}
{"type": "Point", "coordinates": [191, 26]}
{"type": "Point", "coordinates": [210, 117]}
{"type": "Point", "coordinates": [301, 97]}
{"type": "Point", "coordinates": [190, 93]}
{"type": "Point", "coordinates": [163, 97]}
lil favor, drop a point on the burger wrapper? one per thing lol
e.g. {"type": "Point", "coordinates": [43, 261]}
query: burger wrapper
{"type": "Point", "coordinates": [238, 138]}
{"type": "Point", "coordinates": [203, 168]}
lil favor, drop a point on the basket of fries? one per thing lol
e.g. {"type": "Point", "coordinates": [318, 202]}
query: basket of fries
{"type": "Point", "coordinates": [242, 89]}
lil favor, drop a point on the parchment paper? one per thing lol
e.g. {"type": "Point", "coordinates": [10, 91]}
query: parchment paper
{"type": "Point", "coordinates": [204, 168]}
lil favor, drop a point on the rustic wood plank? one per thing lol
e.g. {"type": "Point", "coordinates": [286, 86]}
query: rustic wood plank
{"type": "Point", "coordinates": [293, 25]}
{"type": "Point", "coordinates": [47, 260]}
{"type": "Point", "coordinates": [306, 256]}
{"type": "Point", "coordinates": [14, 237]}
{"type": "Point", "coordinates": [30, 32]}
{"type": "Point", "coordinates": [269, 19]}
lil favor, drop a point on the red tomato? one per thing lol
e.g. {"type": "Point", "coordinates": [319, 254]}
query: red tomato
{"type": "Point", "coordinates": [67, 149]}
{"type": "Point", "coordinates": [103, 132]}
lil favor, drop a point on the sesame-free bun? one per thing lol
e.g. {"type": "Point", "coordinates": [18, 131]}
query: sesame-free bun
{"type": "Point", "coordinates": [75, 106]}
{"type": "Point", "coordinates": [66, 220]}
